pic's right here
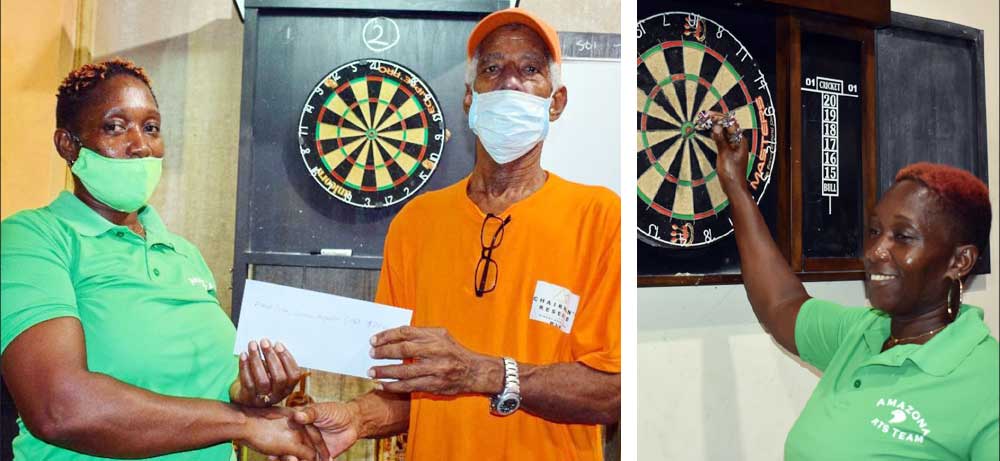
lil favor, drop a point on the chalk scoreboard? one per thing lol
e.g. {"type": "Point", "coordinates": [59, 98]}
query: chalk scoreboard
{"type": "Point", "coordinates": [832, 203]}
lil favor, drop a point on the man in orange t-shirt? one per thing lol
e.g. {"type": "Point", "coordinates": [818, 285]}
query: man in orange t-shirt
{"type": "Point", "coordinates": [513, 275]}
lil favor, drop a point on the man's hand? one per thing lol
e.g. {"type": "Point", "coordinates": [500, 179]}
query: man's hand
{"type": "Point", "coordinates": [337, 422]}
{"type": "Point", "coordinates": [437, 364]}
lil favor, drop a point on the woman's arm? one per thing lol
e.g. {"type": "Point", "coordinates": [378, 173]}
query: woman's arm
{"type": "Point", "coordinates": [63, 403]}
{"type": "Point", "coordinates": [775, 293]}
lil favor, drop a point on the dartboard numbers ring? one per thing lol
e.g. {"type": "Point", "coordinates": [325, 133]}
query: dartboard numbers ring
{"type": "Point", "coordinates": [371, 133]}
{"type": "Point", "coordinates": [686, 64]}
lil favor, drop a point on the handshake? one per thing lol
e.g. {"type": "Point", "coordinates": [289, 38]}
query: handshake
{"type": "Point", "coordinates": [267, 375]}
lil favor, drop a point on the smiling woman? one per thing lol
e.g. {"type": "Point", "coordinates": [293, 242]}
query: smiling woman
{"type": "Point", "coordinates": [113, 341]}
{"type": "Point", "coordinates": [890, 373]}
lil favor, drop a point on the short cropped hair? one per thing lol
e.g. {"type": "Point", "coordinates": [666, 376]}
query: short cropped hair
{"type": "Point", "coordinates": [965, 198]}
{"type": "Point", "coordinates": [80, 83]}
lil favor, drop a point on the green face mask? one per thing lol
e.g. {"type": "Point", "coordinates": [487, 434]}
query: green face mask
{"type": "Point", "coordinates": [122, 184]}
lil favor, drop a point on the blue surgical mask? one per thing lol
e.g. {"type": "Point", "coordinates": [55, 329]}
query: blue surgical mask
{"type": "Point", "coordinates": [509, 123]}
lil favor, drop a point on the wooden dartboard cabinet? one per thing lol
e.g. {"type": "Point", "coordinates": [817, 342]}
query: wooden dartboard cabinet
{"type": "Point", "coordinates": [835, 98]}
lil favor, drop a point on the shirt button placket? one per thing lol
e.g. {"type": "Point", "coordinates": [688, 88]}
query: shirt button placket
{"type": "Point", "coordinates": [149, 261]}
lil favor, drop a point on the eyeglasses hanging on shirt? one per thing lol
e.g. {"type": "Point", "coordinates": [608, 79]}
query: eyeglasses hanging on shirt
{"type": "Point", "coordinates": [487, 270]}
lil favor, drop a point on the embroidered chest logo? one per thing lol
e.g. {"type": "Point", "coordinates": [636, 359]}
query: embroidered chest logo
{"type": "Point", "coordinates": [199, 282]}
{"type": "Point", "coordinates": [554, 305]}
{"type": "Point", "coordinates": [900, 420]}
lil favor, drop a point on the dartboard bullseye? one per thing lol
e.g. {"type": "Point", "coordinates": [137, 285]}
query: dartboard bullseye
{"type": "Point", "coordinates": [687, 64]}
{"type": "Point", "coordinates": [371, 133]}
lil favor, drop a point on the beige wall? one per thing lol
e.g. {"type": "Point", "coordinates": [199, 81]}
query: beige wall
{"type": "Point", "coordinates": [37, 51]}
{"type": "Point", "coordinates": [584, 16]}
{"type": "Point", "coordinates": [712, 384]}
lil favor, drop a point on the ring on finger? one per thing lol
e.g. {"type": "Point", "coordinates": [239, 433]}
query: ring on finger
{"type": "Point", "coordinates": [266, 398]}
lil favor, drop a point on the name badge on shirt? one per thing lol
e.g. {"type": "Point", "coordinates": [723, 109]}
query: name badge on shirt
{"type": "Point", "coordinates": [554, 305]}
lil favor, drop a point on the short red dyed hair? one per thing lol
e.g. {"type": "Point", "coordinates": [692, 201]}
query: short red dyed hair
{"type": "Point", "coordinates": [80, 82]}
{"type": "Point", "coordinates": [965, 197]}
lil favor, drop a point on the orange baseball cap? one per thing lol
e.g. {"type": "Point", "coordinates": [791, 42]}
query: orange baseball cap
{"type": "Point", "coordinates": [501, 18]}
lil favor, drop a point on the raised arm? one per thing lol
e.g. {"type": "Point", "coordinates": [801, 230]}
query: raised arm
{"type": "Point", "coordinates": [63, 403]}
{"type": "Point", "coordinates": [775, 293]}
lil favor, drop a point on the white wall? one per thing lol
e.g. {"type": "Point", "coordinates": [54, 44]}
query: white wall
{"type": "Point", "coordinates": [583, 144]}
{"type": "Point", "coordinates": [712, 384]}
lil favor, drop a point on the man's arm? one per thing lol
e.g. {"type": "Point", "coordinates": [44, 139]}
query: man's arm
{"type": "Point", "coordinates": [381, 414]}
{"type": "Point", "coordinates": [563, 392]}
{"type": "Point", "coordinates": [570, 393]}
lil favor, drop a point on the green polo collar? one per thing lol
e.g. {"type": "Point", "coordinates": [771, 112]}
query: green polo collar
{"type": "Point", "coordinates": [939, 356]}
{"type": "Point", "coordinates": [156, 232]}
{"type": "Point", "coordinates": [79, 216]}
{"type": "Point", "coordinates": [88, 222]}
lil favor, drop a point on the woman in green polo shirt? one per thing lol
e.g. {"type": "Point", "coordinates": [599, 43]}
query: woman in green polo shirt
{"type": "Point", "coordinates": [915, 377]}
{"type": "Point", "coordinates": [113, 342]}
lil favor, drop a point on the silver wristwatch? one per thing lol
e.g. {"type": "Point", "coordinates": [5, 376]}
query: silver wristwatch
{"type": "Point", "coordinates": [509, 399]}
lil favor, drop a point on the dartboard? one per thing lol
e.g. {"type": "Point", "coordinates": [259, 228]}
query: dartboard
{"type": "Point", "coordinates": [371, 133]}
{"type": "Point", "coordinates": [688, 63]}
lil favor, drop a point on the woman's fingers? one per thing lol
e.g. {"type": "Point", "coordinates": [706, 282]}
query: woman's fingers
{"type": "Point", "coordinates": [734, 135]}
{"type": "Point", "coordinates": [288, 361]}
{"type": "Point", "coordinates": [268, 372]}
{"type": "Point", "coordinates": [262, 383]}
{"type": "Point", "coordinates": [719, 134]}
{"type": "Point", "coordinates": [246, 381]}
{"type": "Point", "coordinates": [275, 369]}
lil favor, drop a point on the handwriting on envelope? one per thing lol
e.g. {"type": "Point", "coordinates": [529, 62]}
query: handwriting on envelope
{"type": "Point", "coordinates": [322, 331]}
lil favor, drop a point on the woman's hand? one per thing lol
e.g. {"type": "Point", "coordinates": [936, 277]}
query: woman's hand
{"type": "Point", "coordinates": [265, 381]}
{"type": "Point", "coordinates": [732, 158]}
{"type": "Point", "coordinates": [273, 431]}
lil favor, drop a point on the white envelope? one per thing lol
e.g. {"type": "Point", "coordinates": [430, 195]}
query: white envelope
{"type": "Point", "coordinates": [322, 331]}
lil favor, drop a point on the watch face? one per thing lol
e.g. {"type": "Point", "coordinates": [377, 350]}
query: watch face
{"type": "Point", "coordinates": [508, 405]}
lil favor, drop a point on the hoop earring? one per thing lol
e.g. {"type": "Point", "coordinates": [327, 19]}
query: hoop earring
{"type": "Point", "coordinates": [961, 291]}
{"type": "Point", "coordinates": [955, 304]}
